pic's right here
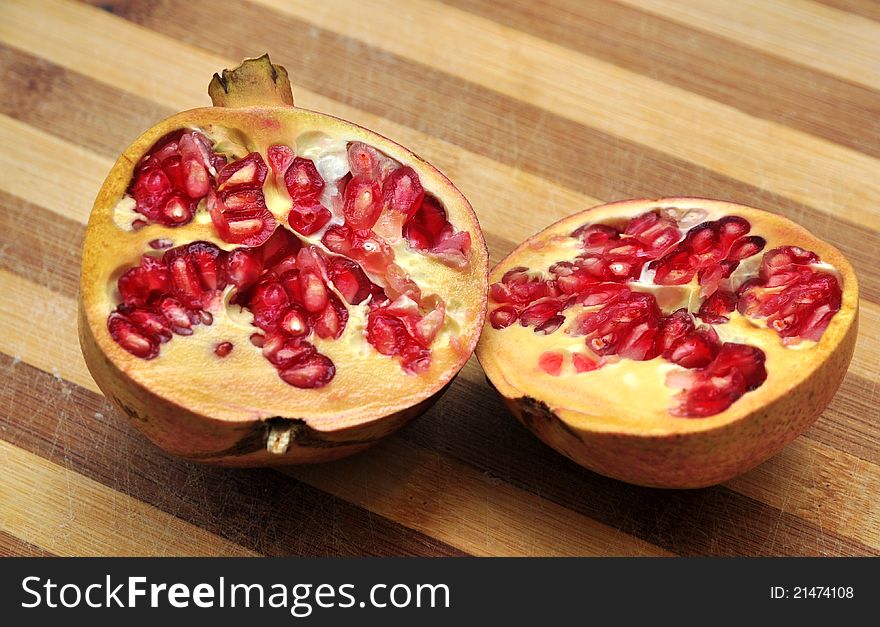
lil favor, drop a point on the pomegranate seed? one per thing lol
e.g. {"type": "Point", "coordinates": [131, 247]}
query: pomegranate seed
{"type": "Point", "coordinates": [402, 191]}
{"type": "Point", "coordinates": [502, 317]}
{"type": "Point", "coordinates": [551, 362]}
{"type": "Point", "coordinates": [178, 317]}
{"type": "Point", "coordinates": [427, 226]}
{"type": "Point", "coordinates": [142, 284]}
{"type": "Point", "coordinates": [363, 160]}
{"type": "Point", "coordinates": [151, 324]}
{"type": "Point", "coordinates": [745, 247]}
{"type": "Point", "coordinates": [671, 328]}
{"type": "Point", "coordinates": [314, 292]}
{"type": "Point", "coordinates": [129, 337]}
{"type": "Point", "coordinates": [714, 309]}
{"type": "Point", "coordinates": [313, 372]}
{"type": "Point", "coordinates": [330, 323]}
{"type": "Point", "coordinates": [349, 279]}
{"type": "Point", "coordinates": [284, 352]}
{"type": "Point", "coordinates": [582, 363]}
{"type": "Point", "coordinates": [196, 273]}
{"type": "Point", "coordinates": [387, 334]}
{"type": "Point", "coordinates": [257, 339]}
{"type": "Point", "coordinates": [280, 158]}
{"type": "Point", "coordinates": [160, 244]}
{"type": "Point", "coordinates": [361, 204]}
{"type": "Point", "coordinates": [295, 322]}
{"type": "Point", "coordinates": [223, 349]}
{"type": "Point", "coordinates": [695, 350]}
{"type": "Point", "coordinates": [539, 312]}
{"type": "Point", "coordinates": [308, 217]}
{"type": "Point", "coordinates": [195, 179]}
{"type": "Point", "coordinates": [243, 267]}
{"type": "Point", "coordinates": [249, 172]}
{"type": "Point", "coordinates": [303, 180]}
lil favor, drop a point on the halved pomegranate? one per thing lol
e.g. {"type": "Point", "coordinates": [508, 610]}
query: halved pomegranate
{"type": "Point", "coordinates": [675, 342]}
{"type": "Point", "coordinates": [263, 284]}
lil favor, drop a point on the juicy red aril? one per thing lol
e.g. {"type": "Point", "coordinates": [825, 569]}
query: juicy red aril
{"type": "Point", "coordinates": [796, 300]}
{"type": "Point", "coordinates": [676, 267]}
{"type": "Point", "coordinates": [697, 349]}
{"type": "Point", "coordinates": [596, 236]}
{"type": "Point", "coordinates": [716, 308]}
{"type": "Point", "coordinates": [349, 279]}
{"type": "Point", "coordinates": [655, 231]}
{"type": "Point", "coordinates": [132, 339]}
{"type": "Point", "coordinates": [303, 181]}
{"type": "Point", "coordinates": [171, 179]}
{"type": "Point", "coordinates": [295, 321]}
{"type": "Point", "coordinates": [365, 247]}
{"type": "Point", "coordinates": [502, 317]}
{"type": "Point", "coordinates": [179, 317]}
{"type": "Point", "coordinates": [551, 362]}
{"type": "Point", "coordinates": [196, 273]}
{"type": "Point", "coordinates": [671, 328]}
{"type": "Point", "coordinates": [539, 312]}
{"type": "Point", "coordinates": [268, 302]}
{"type": "Point", "coordinates": [746, 247]}
{"type": "Point", "coordinates": [582, 363]}
{"type": "Point", "coordinates": [280, 158]}
{"type": "Point", "coordinates": [223, 349]}
{"type": "Point", "coordinates": [152, 324]}
{"type": "Point", "coordinates": [314, 292]}
{"type": "Point", "coordinates": [142, 284]}
{"type": "Point", "coordinates": [387, 334]}
{"type": "Point", "coordinates": [402, 191]}
{"type": "Point", "coordinates": [282, 351]}
{"type": "Point", "coordinates": [626, 326]}
{"type": "Point", "coordinates": [312, 372]}
{"type": "Point", "coordinates": [361, 203]}
{"type": "Point", "coordinates": [363, 160]}
{"type": "Point", "coordinates": [308, 216]}
{"type": "Point", "coordinates": [331, 320]}
{"type": "Point", "coordinates": [427, 226]}
{"type": "Point", "coordinates": [748, 360]}
{"type": "Point", "coordinates": [243, 267]}
{"type": "Point", "coordinates": [249, 172]}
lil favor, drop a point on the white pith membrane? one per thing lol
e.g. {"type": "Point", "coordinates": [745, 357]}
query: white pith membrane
{"type": "Point", "coordinates": [195, 365]}
{"type": "Point", "coordinates": [625, 394]}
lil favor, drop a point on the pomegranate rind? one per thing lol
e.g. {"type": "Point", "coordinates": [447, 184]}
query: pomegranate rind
{"type": "Point", "coordinates": [616, 420]}
{"type": "Point", "coordinates": [214, 410]}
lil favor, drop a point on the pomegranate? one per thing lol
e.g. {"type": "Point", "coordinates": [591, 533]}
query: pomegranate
{"type": "Point", "coordinates": [675, 342]}
{"type": "Point", "coordinates": [263, 284]}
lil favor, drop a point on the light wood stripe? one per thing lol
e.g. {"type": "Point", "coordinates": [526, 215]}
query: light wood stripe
{"type": "Point", "coordinates": [448, 484]}
{"type": "Point", "coordinates": [809, 33]}
{"type": "Point", "coordinates": [67, 514]}
{"type": "Point", "coordinates": [45, 314]}
{"type": "Point", "coordinates": [865, 8]}
{"type": "Point", "coordinates": [615, 101]}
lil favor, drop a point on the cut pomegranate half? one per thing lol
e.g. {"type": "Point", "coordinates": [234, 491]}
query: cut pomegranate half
{"type": "Point", "coordinates": [276, 320]}
{"type": "Point", "coordinates": [685, 340]}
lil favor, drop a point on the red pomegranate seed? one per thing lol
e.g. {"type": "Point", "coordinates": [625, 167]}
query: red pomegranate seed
{"type": "Point", "coordinates": [280, 159]}
{"type": "Point", "coordinates": [129, 337]}
{"type": "Point", "coordinates": [711, 395]}
{"type": "Point", "coordinates": [427, 226]}
{"type": "Point", "coordinates": [249, 172]}
{"type": "Point", "coordinates": [671, 328]}
{"type": "Point", "coordinates": [695, 350]}
{"type": "Point", "coordinates": [142, 284]}
{"type": "Point", "coordinates": [161, 244]}
{"type": "Point", "coordinates": [314, 292]}
{"type": "Point", "coordinates": [502, 317]}
{"type": "Point", "coordinates": [551, 362]}
{"type": "Point", "coordinates": [658, 233]}
{"type": "Point", "coordinates": [747, 360]}
{"type": "Point", "coordinates": [716, 308]}
{"type": "Point", "coordinates": [196, 273]}
{"type": "Point", "coordinates": [151, 324]}
{"type": "Point", "coordinates": [349, 279]}
{"type": "Point", "coordinates": [627, 326]}
{"type": "Point", "coordinates": [387, 334]}
{"type": "Point", "coordinates": [331, 321]}
{"type": "Point", "coordinates": [363, 160]}
{"type": "Point", "coordinates": [295, 322]}
{"type": "Point", "coordinates": [745, 247]}
{"type": "Point", "coordinates": [402, 191]}
{"type": "Point", "coordinates": [268, 303]}
{"type": "Point", "coordinates": [223, 349]}
{"type": "Point", "coordinates": [257, 339]}
{"type": "Point", "coordinates": [582, 363]}
{"type": "Point", "coordinates": [303, 181]}
{"type": "Point", "coordinates": [283, 352]}
{"type": "Point", "coordinates": [361, 204]}
{"type": "Point", "coordinates": [312, 372]}
{"type": "Point", "coordinates": [539, 312]}
{"type": "Point", "coordinates": [180, 319]}
{"type": "Point", "coordinates": [243, 267]}
{"type": "Point", "coordinates": [308, 216]}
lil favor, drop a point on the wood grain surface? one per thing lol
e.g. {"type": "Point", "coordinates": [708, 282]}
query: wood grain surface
{"type": "Point", "coordinates": [535, 110]}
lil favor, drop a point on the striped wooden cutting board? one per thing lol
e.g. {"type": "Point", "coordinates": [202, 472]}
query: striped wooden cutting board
{"type": "Point", "coordinates": [535, 110]}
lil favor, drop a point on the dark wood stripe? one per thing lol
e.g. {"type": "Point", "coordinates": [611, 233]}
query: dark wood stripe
{"type": "Point", "coordinates": [865, 8]}
{"type": "Point", "coordinates": [753, 81]}
{"type": "Point", "coordinates": [10, 546]}
{"type": "Point", "coordinates": [713, 521]}
{"type": "Point", "coordinates": [261, 509]}
{"type": "Point", "coordinates": [560, 150]}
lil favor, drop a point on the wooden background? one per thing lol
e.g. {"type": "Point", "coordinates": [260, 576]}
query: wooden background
{"type": "Point", "coordinates": [535, 110]}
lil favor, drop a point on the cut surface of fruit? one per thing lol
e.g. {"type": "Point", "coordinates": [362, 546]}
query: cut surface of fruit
{"type": "Point", "coordinates": [233, 276]}
{"type": "Point", "coordinates": [652, 322]}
